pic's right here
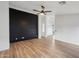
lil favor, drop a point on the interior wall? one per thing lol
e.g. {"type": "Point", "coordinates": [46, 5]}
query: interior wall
{"type": "Point", "coordinates": [50, 25]}
{"type": "Point", "coordinates": [41, 26]}
{"type": "Point", "coordinates": [46, 25]}
{"type": "Point", "coordinates": [4, 25]}
{"type": "Point", "coordinates": [23, 25]}
{"type": "Point", "coordinates": [67, 28]}
{"type": "Point", "coordinates": [26, 10]}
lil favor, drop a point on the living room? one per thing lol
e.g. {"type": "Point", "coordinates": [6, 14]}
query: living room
{"type": "Point", "coordinates": [39, 29]}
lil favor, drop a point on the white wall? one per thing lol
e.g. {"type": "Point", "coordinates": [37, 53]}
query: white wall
{"type": "Point", "coordinates": [50, 24]}
{"type": "Point", "coordinates": [4, 25]}
{"type": "Point", "coordinates": [67, 28]}
{"type": "Point", "coordinates": [45, 27]}
{"type": "Point", "coordinates": [41, 26]}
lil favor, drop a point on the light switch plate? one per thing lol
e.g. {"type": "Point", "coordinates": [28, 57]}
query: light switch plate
{"type": "Point", "coordinates": [16, 38]}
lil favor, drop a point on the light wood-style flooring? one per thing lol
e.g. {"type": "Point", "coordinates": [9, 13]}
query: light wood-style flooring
{"type": "Point", "coordinates": [41, 48]}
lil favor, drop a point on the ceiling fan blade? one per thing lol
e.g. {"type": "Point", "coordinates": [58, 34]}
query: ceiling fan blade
{"type": "Point", "coordinates": [48, 11]}
{"type": "Point", "coordinates": [36, 10]}
{"type": "Point", "coordinates": [43, 7]}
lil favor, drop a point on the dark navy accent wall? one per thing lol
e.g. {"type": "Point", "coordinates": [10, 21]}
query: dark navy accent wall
{"type": "Point", "coordinates": [22, 24]}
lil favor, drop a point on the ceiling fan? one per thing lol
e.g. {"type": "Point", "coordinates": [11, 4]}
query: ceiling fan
{"type": "Point", "coordinates": [42, 12]}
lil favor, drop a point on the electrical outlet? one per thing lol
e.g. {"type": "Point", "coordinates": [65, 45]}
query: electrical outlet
{"type": "Point", "coordinates": [22, 37]}
{"type": "Point", "coordinates": [16, 38]}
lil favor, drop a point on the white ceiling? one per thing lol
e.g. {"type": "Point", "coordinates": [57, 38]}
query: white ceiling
{"type": "Point", "coordinates": [69, 8]}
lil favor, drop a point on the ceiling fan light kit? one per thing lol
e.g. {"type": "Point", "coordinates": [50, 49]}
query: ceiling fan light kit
{"type": "Point", "coordinates": [42, 14]}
